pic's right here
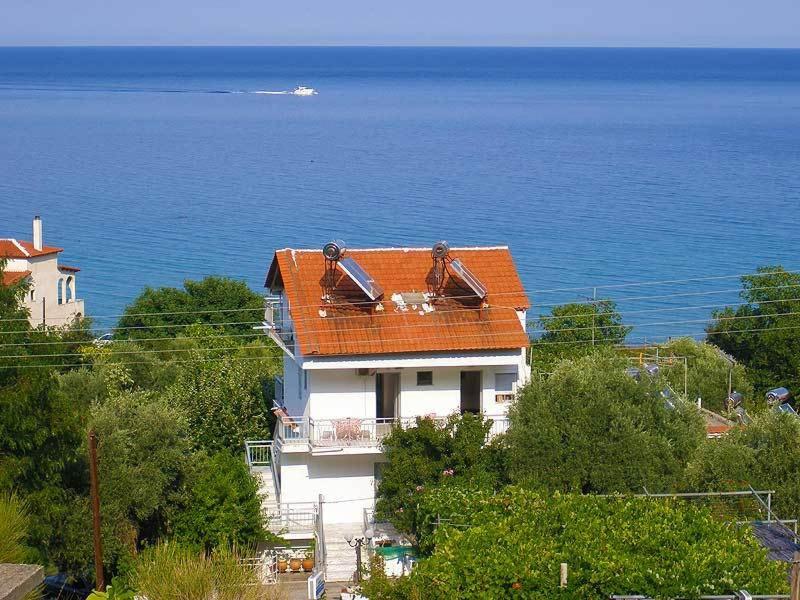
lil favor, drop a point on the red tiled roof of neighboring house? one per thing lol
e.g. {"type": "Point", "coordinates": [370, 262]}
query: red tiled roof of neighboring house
{"type": "Point", "coordinates": [11, 248]}
{"type": "Point", "coordinates": [12, 277]}
{"type": "Point", "coordinates": [353, 325]}
{"type": "Point", "coordinates": [68, 268]}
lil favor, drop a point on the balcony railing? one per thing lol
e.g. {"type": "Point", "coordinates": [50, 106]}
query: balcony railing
{"type": "Point", "coordinates": [355, 432]}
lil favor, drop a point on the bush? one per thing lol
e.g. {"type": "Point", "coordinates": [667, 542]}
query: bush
{"type": "Point", "coordinates": [171, 572]}
{"type": "Point", "coordinates": [764, 455]}
{"type": "Point", "coordinates": [427, 454]}
{"type": "Point", "coordinates": [14, 521]}
{"type": "Point", "coordinates": [510, 545]}
{"type": "Point", "coordinates": [223, 506]}
{"type": "Point", "coordinates": [591, 428]}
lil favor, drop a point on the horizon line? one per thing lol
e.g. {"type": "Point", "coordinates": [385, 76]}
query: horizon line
{"type": "Point", "coordinates": [403, 46]}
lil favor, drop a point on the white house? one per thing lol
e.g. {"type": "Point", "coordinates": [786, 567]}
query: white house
{"type": "Point", "coordinates": [372, 337]}
{"type": "Point", "coordinates": [52, 294]}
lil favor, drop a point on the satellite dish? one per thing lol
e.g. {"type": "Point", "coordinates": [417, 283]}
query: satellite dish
{"type": "Point", "coordinates": [333, 250]}
{"type": "Point", "coordinates": [440, 249]}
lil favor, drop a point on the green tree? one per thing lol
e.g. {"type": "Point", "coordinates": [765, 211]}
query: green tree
{"type": "Point", "coordinates": [590, 427]}
{"type": "Point", "coordinates": [222, 506]}
{"type": "Point", "coordinates": [428, 453]}
{"type": "Point", "coordinates": [166, 311]}
{"type": "Point", "coordinates": [576, 329]}
{"type": "Point", "coordinates": [764, 455]}
{"type": "Point", "coordinates": [224, 398]}
{"type": "Point", "coordinates": [707, 371]}
{"type": "Point", "coordinates": [764, 333]}
{"type": "Point", "coordinates": [510, 544]}
{"type": "Point", "coordinates": [143, 458]}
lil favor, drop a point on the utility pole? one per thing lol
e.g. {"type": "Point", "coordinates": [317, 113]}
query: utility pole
{"type": "Point", "coordinates": [100, 584]}
{"type": "Point", "coordinates": [594, 311]}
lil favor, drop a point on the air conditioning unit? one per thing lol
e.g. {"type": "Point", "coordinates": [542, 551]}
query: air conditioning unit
{"type": "Point", "coordinates": [365, 372]}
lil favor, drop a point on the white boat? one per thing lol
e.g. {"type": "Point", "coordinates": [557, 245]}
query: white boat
{"type": "Point", "coordinates": [302, 90]}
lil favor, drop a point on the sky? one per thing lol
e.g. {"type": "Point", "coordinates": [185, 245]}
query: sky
{"type": "Point", "coordinates": [722, 23]}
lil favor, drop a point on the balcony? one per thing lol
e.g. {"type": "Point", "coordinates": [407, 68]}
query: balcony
{"type": "Point", "coordinates": [300, 434]}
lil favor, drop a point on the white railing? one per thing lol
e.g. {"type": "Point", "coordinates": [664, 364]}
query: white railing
{"type": "Point", "coordinates": [265, 566]}
{"type": "Point", "coordinates": [258, 453]}
{"type": "Point", "coordinates": [354, 432]}
{"type": "Point", "coordinates": [294, 517]}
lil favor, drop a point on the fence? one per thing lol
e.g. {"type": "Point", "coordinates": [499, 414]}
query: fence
{"type": "Point", "coordinates": [258, 453]}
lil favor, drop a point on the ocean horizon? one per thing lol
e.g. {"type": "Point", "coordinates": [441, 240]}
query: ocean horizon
{"type": "Point", "coordinates": [599, 167]}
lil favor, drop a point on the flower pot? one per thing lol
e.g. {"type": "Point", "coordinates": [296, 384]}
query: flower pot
{"type": "Point", "coordinates": [295, 564]}
{"type": "Point", "coordinates": [282, 565]}
{"type": "Point", "coordinates": [308, 564]}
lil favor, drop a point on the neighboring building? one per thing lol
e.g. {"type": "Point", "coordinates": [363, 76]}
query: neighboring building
{"type": "Point", "coordinates": [372, 337]}
{"type": "Point", "coordinates": [52, 295]}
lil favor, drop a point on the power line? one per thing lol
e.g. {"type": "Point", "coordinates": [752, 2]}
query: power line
{"type": "Point", "coordinates": [461, 336]}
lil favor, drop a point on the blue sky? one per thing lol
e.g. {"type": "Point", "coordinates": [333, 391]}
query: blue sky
{"type": "Point", "coordinates": [729, 23]}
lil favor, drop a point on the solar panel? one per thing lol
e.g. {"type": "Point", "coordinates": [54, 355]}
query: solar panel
{"type": "Point", "coordinates": [466, 275]}
{"type": "Point", "coordinates": [786, 408]}
{"type": "Point", "coordinates": [361, 278]}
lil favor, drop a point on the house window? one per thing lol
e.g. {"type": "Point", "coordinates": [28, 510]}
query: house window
{"type": "Point", "coordinates": [424, 377]}
{"type": "Point", "coordinates": [33, 295]}
{"type": "Point", "coordinates": [504, 384]}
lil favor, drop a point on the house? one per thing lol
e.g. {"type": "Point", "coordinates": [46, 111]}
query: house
{"type": "Point", "coordinates": [373, 337]}
{"type": "Point", "coordinates": [52, 297]}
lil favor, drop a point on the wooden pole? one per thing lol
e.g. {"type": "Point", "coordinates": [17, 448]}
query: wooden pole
{"type": "Point", "coordinates": [100, 583]}
{"type": "Point", "coordinates": [794, 593]}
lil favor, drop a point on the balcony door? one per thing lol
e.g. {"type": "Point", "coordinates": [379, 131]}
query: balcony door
{"type": "Point", "coordinates": [470, 392]}
{"type": "Point", "coordinates": [387, 395]}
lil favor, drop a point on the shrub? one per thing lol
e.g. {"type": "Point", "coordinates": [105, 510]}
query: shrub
{"type": "Point", "coordinates": [590, 427]}
{"type": "Point", "coordinates": [222, 506]}
{"type": "Point", "coordinates": [510, 545]}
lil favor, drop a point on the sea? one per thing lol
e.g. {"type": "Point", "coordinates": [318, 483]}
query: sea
{"type": "Point", "coordinates": [653, 177]}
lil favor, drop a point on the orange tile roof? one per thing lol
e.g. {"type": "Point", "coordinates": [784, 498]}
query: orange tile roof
{"type": "Point", "coordinates": [11, 277]}
{"type": "Point", "coordinates": [352, 325]}
{"type": "Point", "coordinates": [10, 248]}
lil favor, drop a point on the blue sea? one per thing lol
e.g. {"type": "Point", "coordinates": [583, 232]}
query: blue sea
{"type": "Point", "coordinates": [599, 167]}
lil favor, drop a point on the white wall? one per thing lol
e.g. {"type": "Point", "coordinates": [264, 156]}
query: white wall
{"type": "Point", "coordinates": [45, 282]}
{"type": "Point", "coordinates": [339, 393]}
{"type": "Point", "coordinates": [346, 482]}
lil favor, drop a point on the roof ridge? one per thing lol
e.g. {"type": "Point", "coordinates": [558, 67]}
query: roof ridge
{"type": "Point", "coordinates": [397, 249]}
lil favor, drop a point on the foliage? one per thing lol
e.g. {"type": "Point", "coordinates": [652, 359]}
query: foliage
{"type": "Point", "coordinates": [426, 454]}
{"type": "Point", "coordinates": [164, 312]}
{"type": "Point", "coordinates": [14, 522]}
{"type": "Point", "coordinates": [116, 591]}
{"type": "Point", "coordinates": [143, 455]}
{"type": "Point", "coordinates": [577, 329]}
{"type": "Point", "coordinates": [223, 505]}
{"type": "Point", "coordinates": [171, 572]}
{"type": "Point", "coordinates": [764, 333]}
{"type": "Point", "coordinates": [706, 374]}
{"type": "Point", "coordinates": [764, 455]}
{"type": "Point", "coordinates": [591, 428]}
{"type": "Point", "coordinates": [510, 545]}
{"type": "Point", "coordinates": [224, 399]}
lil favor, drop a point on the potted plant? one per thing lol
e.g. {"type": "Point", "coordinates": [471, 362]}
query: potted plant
{"type": "Point", "coordinates": [308, 561]}
{"type": "Point", "coordinates": [295, 563]}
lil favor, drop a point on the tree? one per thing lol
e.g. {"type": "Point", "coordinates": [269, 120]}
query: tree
{"type": "Point", "coordinates": [143, 457]}
{"type": "Point", "coordinates": [224, 398]}
{"type": "Point", "coordinates": [165, 312]}
{"type": "Point", "coordinates": [707, 372]}
{"type": "Point", "coordinates": [764, 333]}
{"type": "Point", "coordinates": [426, 454]}
{"type": "Point", "coordinates": [510, 544]}
{"type": "Point", "coordinates": [591, 428]}
{"type": "Point", "coordinates": [764, 455]}
{"type": "Point", "coordinates": [576, 329]}
{"type": "Point", "coordinates": [223, 505]}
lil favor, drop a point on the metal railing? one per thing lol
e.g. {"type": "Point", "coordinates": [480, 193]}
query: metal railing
{"type": "Point", "coordinates": [265, 566]}
{"type": "Point", "coordinates": [292, 430]}
{"type": "Point", "coordinates": [294, 517]}
{"type": "Point", "coordinates": [258, 453]}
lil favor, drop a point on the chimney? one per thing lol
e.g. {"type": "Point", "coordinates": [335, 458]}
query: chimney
{"type": "Point", "coordinates": [37, 232]}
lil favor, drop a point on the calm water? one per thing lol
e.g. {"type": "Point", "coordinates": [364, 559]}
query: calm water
{"type": "Point", "coordinates": [596, 166]}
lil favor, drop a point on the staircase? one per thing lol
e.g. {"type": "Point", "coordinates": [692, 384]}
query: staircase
{"type": "Point", "coordinates": [269, 496]}
{"type": "Point", "coordinates": [340, 557]}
